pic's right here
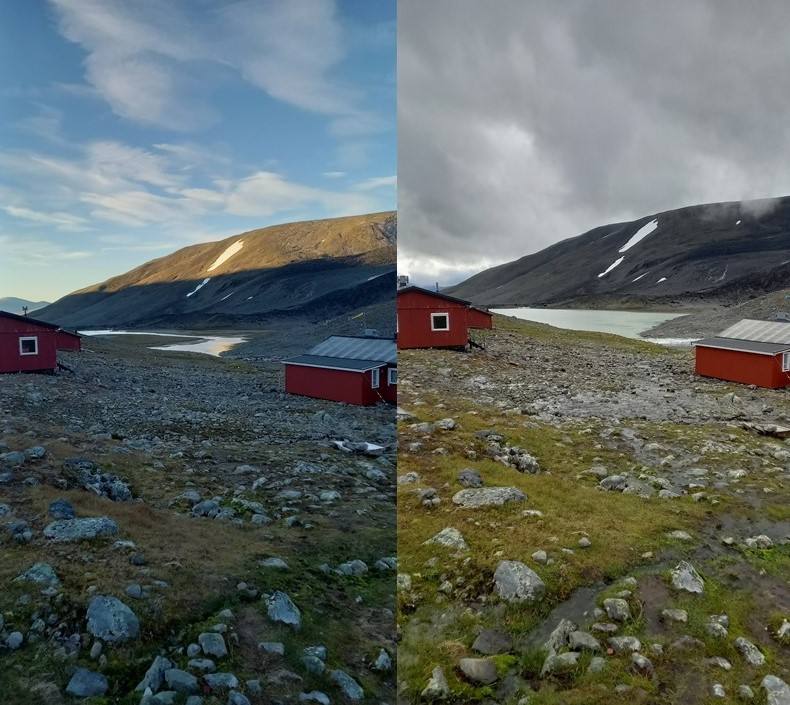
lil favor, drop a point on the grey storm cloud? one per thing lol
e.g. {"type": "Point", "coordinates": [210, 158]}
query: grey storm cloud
{"type": "Point", "coordinates": [524, 122]}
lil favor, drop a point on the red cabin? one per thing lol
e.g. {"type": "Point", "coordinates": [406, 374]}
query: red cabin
{"type": "Point", "coordinates": [351, 369]}
{"type": "Point", "coordinates": [478, 318]}
{"type": "Point", "coordinates": [29, 345]}
{"type": "Point", "coordinates": [428, 319]}
{"type": "Point", "coordinates": [749, 352]}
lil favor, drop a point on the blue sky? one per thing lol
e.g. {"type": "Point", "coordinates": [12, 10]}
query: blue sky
{"type": "Point", "coordinates": [131, 129]}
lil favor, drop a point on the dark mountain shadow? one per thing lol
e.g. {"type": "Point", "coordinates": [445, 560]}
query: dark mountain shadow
{"type": "Point", "coordinates": [309, 290]}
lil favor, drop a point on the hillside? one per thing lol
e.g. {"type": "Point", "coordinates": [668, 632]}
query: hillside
{"type": "Point", "coordinates": [723, 252]}
{"type": "Point", "coordinates": [12, 304]}
{"type": "Point", "coordinates": [311, 269]}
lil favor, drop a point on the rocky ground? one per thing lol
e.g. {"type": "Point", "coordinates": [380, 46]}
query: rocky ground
{"type": "Point", "coordinates": [714, 316]}
{"type": "Point", "coordinates": [581, 519]}
{"type": "Point", "coordinates": [174, 528]}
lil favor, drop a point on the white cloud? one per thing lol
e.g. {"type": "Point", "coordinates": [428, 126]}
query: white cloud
{"type": "Point", "coordinates": [143, 56]}
{"type": "Point", "coordinates": [62, 221]}
{"type": "Point", "coordinates": [377, 182]}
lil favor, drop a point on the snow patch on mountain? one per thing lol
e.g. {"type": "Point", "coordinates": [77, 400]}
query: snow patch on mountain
{"type": "Point", "coordinates": [639, 235]}
{"type": "Point", "coordinates": [199, 287]}
{"type": "Point", "coordinates": [611, 267]}
{"type": "Point", "coordinates": [227, 254]}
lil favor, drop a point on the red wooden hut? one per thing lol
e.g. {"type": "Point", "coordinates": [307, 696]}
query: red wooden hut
{"type": "Point", "coordinates": [429, 319]}
{"type": "Point", "coordinates": [30, 345]}
{"type": "Point", "coordinates": [352, 369]}
{"type": "Point", "coordinates": [749, 352]}
{"type": "Point", "coordinates": [478, 318]}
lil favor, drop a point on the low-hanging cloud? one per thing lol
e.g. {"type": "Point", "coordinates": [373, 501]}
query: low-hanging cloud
{"type": "Point", "coordinates": [521, 124]}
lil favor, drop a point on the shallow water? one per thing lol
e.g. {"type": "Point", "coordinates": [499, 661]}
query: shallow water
{"type": "Point", "coordinates": [208, 344]}
{"type": "Point", "coordinates": [626, 323]}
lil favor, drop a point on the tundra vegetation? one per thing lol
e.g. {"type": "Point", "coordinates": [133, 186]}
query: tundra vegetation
{"type": "Point", "coordinates": [581, 519]}
{"type": "Point", "coordinates": [174, 528]}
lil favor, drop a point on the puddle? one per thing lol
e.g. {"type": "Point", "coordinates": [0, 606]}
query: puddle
{"type": "Point", "coordinates": [210, 345]}
{"type": "Point", "coordinates": [577, 608]}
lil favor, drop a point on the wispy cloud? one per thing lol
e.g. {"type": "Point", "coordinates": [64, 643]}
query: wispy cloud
{"type": "Point", "coordinates": [142, 58]}
{"type": "Point", "coordinates": [62, 221]}
{"type": "Point", "coordinates": [377, 182]}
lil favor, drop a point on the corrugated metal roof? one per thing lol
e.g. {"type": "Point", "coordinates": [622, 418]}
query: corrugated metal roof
{"type": "Point", "coordinates": [428, 292]}
{"type": "Point", "coordinates": [354, 348]}
{"type": "Point", "coordinates": [753, 346]}
{"type": "Point", "coordinates": [333, 363]}
{"type": "Point", "coordinates": [761, 331]}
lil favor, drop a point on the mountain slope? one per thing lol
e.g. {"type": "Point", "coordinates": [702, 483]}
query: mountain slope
{"type": "Point", "coordinates": [12, 304]}
{"type": "Point", "coordinates": [720, 250]}
{"type": "Point", "coordinates": [258, 275]}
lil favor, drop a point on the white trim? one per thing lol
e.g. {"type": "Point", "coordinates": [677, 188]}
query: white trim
{"type": "Point", "coordinates": [786, 362]}
{"type": "Point", "coordinates": [375, 378]}
{"type": "Point", "coordinates": [446, 314]}
{"type": "Point", "coordinates": [25, 339]}
{"type": "Point", "coordinates": [392, 376]}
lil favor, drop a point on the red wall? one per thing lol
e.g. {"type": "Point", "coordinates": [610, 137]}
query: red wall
{"type": "Point", "coordinates": [414, 322]}
{"type": "Point", "coordinates": [68, 341]}
{"type": "Point", "coordinates": [338, 385]}
{"type": "Point", "coordinates": [480, 319]}
{"type": "Point", "coordinates": [743, 367]}
{"type": "Point", "coordinates": [10, 359]}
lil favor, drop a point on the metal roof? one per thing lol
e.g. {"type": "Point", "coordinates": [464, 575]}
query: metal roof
{"type": "Point", "coordinates": [760, 331]}
{"type": "Point", "coordinates": [27, 319]}
{"type": "Point", "coordinates": [357, 348]}
{"type": "Point", "coordinates": [753, 346]}
{"type": "Point", "coordinates": [428, 292]}
{"type": "Point", "coordinates": [333, 363]}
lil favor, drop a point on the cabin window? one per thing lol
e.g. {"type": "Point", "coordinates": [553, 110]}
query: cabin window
{"type": "Point", "coordinates": [28, 346]}
{"type": "Point", "coordinates": [440, 321]}
{"type": "Point", "coordinates": [374, 378]}
{"type": "Point", "coordinates": [392, 376]}
{"type": "Point", "coordinates": [786, 362]}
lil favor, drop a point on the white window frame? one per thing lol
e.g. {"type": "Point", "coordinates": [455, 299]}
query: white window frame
{"type": "Point", "coordinates": [26, 339]}
{"type": "Point", "coordinates": [786, 362]}
{"type": "Point", "coordinates": [375, 378]}
{"type": "Point", "coordinates": [446, 314]}
{"type": "Point", "coordinates": [392, 376]}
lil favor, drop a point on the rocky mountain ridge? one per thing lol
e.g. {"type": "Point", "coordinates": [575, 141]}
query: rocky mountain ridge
{"type": "Point", "coordinates": [721, 252]}
{"type": "Point", "coordinates": [310, 268]}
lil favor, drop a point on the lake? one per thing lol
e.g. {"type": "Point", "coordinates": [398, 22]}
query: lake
{"type": "Point", "coordinates": [208, 344]}
{"type": "Point", "coordinates": [626, 323]}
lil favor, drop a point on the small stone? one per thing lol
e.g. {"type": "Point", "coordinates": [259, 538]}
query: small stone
{"type": "Point", "coordinates": [745, 692]}
{"type": "Point", "coordinates": [273, 647]}
{"type": "Point", "coordinates": [213, 644]}
{"type": "Point", "coordinates": [584, 542]}
{"type": "Point", "coordinates": [282, 609]}
{"type": "Point", "coordinates": [450, 538]}
{"type": "Point", "coordinates": [540, 557]}
{"type": "Point", "coordinates": [478, 670]}
{"type": "Point", "coordinates": [86, 684]}
{"type": "Point", "coordinates": [491, 642]}
{"type": "Point", "coordinates": [617, 609]}
{"type": "Point", "coordinates": [674, 615]}
{"type": "Point", "coordinates": [221, 681]}
{"type": "Point", "coordinates": [643, 665]}
{"type": "Point", "coordinates": [717, 691]}
{"type": "Point", "coordinates": [624, 643]}
{"type": "Point", "coordinates": [718, 662]}
{"type": "Point", "coordinates": [181, 681]}
{"type": "Point", "coordinates": [777, 691]}
{"type": "Point", "coordinates": [437, 687]}
{"type": "Point", "coordinates": [515, 581]}
{"type": "Point", "coordinates": [349, 687]}
{"type": "Point", "coordinates": [582, 641]}
{"type": "Point", "coordinates": [685, 577]}
{"type": "Point", "coordinates": [749, 651]}
{"type": "Point", "coordinates": [557, 663]}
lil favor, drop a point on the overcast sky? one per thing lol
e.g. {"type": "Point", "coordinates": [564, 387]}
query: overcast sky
{"type": "Point", "coordinates": [131, 128]}
{"type": "Point", "coordinates": [525, 122]}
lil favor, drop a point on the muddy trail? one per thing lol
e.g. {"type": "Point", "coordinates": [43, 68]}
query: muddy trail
{"type": "Point", "coordinates": [582, 520]}
{"type": "Point", "coordinates": [175, 526]}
